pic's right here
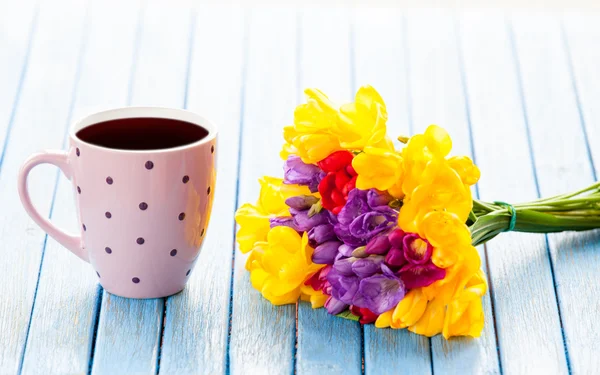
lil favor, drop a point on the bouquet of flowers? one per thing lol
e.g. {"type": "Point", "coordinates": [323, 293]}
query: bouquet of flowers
{"type": "Point", "coordinates": [381, 234]}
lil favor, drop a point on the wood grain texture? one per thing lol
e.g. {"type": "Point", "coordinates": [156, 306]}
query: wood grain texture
{"type": "Point", "coordinates": [581, 35]}
{"type": "Point", "coordinates": [562, 164]}
{"type": "Point", "coordinates": [326, 344]}
{"type": "Point", "coordinates": [43, 110]}
{"type": "Point", "coordinates": [197, 319]}
{"type": "Point", "coordinates": [263, 335]}
{"type": "Point", "coordinates": [18, 23]}
{"type": "Point", "coordinates": [437, 97]}
{"type": "Point", "coordinates": [527, 318]}
{"type": "Point", "coordinates": [63, 321]}
{"type": "Point", "coordinates": [381, 54]}
{"type": "Point", "coordinates": [129, 330]}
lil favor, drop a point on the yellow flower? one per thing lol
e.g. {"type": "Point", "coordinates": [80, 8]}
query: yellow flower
{"type": "Point", "coordinates": [468, 172]}
{"type": "Point", "coordinates": [380, 169]}
{"type": "Point", "coordinates": [282, 266]}
{"type": "Point", "coordinates": [315, 297]}
{"type": "Point", "coordinates": [432, 321]}
{"type": "Point", "coordinates": [440, 189]}
{"type": "Point", "coordinates": [464, 316]}
{"type": "Point", "coordinates": [384, 320]}
{"type": "Point", "coordinates": [433, 182]}
{"type": "Point", "coordinates": [410, 309]}
{"type": "Point", "coordinates": [311, 137]}
{"type": "Point", "coordinates": [363, 122]}
{"type": "Point", "coordinates": [253, 220]}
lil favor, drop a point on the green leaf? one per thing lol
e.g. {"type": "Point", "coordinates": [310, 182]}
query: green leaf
{"type": "Point", "coordinates": [348, 315]}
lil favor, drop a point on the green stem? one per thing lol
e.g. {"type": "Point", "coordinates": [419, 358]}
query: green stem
{"type": "Point", "coordinates": [567, 212]}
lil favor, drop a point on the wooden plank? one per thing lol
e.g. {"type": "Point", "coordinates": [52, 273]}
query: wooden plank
{"type": "Point", "coordinates": [66, 307]}
{"type": "Point", "coordinates": [582, 35]}
{"type": "Point", "coordinates": [380, 53]}
{"type": "Point", "coordinates": [17, 26]}
{"type": "Point", "coordinates": [197, 319]}
{"type": "Point", "coordinates": [527, 319]}
{"type": "Point", "coordinates": [40, 122]}
{"type": "Point", "coordinates": [437, 97]}
{"type": "Point", "coordinates": [262, 335]}
{"type": "Point", "coordinates": [326, 343]}
{"type": "Point", "coordinates": [129, 330]}
{"type": "Point", "coordinates": [562, 164]}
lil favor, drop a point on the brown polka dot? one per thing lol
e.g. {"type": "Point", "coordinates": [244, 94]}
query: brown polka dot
{"type": "Point", "coordinates": [173, 252]}
{"type": "Point", "coordinates": [212, 149]}
{"type": "Point", "coordinates": [135, 280]}
{"type": "Point", "coordinates": [185, 179]}
{"type": "Point", "coordinates": [181, 216]}
{"type": "Point", "coordinates": [78, 190]}
{"type": "Point", "coordinates": [149, 165]}
{"type": "Point", "coordinates": [188, 272]}
{"type": "Point", "coordinates": [77, 151]}
{"type": "Point", "coordinates": [140, 241]}
{"type": "Point", "coordinates": [109, 180]}
{"type": "Point", "coordinates": [208, 191]}
{"type": "Point", "coordinates": [108, 250]}
{"type": "Point", "coordinates": [108, 215]}
{"type": "Point", "coordinates": [84, 228]}
{"type": "Point", "coordinates": [202, 232]}
{"type": "Point", "coordinates": [143, 206]}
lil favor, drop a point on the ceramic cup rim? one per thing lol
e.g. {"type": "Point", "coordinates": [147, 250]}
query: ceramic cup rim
{"type": "Point", "coordinates": [141, 112]}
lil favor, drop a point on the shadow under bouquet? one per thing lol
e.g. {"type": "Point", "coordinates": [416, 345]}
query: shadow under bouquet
{"type": "Point", "coordinates": [381, 234]}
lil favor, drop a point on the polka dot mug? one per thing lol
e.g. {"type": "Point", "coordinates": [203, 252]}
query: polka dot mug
{"type": "Point", "coordinates": [143, 208]}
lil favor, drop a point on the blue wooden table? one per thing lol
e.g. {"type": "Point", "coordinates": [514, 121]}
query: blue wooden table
{"type": "Point", "coordinates": [519, 92]}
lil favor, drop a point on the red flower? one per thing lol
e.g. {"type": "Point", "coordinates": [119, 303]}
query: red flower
{"type": "Point", "coordinates": [340, 179]}
{"type": "Point", "coordinates": [366, 316]}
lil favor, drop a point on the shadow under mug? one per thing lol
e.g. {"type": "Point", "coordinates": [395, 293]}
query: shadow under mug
{"type": "Point", "coordinates": [143, 214]}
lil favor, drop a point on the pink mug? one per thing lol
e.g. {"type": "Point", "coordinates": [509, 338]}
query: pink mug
{"type": "Point", "coordinates": [143, 213]}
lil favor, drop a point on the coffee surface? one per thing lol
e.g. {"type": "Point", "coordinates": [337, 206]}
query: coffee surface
{"type": "Point", "coordinates": [143, 133]}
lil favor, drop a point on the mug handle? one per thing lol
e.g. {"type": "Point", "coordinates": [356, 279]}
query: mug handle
{"type": "Point", "coordinates": [61, 160]}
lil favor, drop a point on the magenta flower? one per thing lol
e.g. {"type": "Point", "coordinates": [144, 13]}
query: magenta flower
{"type": "Point", "coordinates": [395, 258]}
{"type": "Point", "coordinates": [415, 276]}
{"type": "Point", "coordinates": [416, 249]}
{"type": "Point", "coordinates": [378, 245]}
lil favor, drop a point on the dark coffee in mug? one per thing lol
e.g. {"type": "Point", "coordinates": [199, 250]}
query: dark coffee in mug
{"type": "Point", "coordinates": [142, 133]}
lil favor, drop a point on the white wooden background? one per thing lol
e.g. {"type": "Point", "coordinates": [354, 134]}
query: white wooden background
{"type": "Point", "coordinates": [518, 91]}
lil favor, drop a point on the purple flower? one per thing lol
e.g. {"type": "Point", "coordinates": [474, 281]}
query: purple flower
{"type": "Point", "coordinates": [335, 306]}
{"type": "Point", "coordinates": [368, 266]}
{"type": "Point", "coordinates": [343, 266]}
{"type": "Point", "coordinates": [305, 223]}
{"type": "Point", "coordinates": [325, 253]}
{"type": "Point", "coordinates": [321, 233]}
{"type": "Point", "coordinates": [285, 221]}
{"type": "Point", "coordinates": [301, 202]}
{"type": "Point", "coordinates": [343, 287]}
{"type": "Point", "coordinates": [380, 293]}
{"type": "Point", "coordinates": [299, 173]}
{"type": "Point", "coordinates": [358, 221]}
{"type": "Point", "coordinates": [377, 198]}
{"type": "Point", "coordinates": [346, 250]}
{"type": "Point", "coordinates": [418, 275]}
